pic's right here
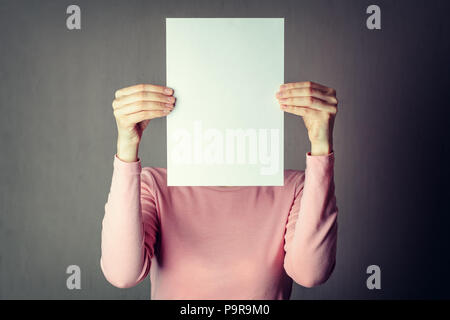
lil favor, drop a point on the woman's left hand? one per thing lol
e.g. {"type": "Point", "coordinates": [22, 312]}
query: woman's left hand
{"type": "Point", "coordinates": [317, 104]}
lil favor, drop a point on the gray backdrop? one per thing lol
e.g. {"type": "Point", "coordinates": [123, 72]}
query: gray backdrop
{"type": "Point", "coordinates": [58, 135]}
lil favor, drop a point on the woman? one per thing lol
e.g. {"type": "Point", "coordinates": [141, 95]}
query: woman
{"type": "Point", "coordinates": [220, 242]}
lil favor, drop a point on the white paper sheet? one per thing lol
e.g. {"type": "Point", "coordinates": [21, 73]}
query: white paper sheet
{"type": "Point", "coordinates": [227, 127]}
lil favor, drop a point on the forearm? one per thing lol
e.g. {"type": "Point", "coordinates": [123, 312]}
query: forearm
{"type": "Point", "coordinates": [124, 259]}
{"type": "Point", "coordinates": [312, 252]}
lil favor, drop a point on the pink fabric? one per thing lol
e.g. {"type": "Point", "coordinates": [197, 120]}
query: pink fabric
{"type": "Point", "coordinates": [220, 243]}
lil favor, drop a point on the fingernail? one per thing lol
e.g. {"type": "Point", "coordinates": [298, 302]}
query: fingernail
{"type": "Point", "coordinates": [170, 99]}
{"type": "Point", "coordinates": [168, 104]}
{"type": "Point", "coordinates": [282, 87]}
{"type": "Point", "coordinates": [166, 111]}
{"type": "Point", "coordinates": [278, 94]}
{"type": "Point", "coordinates": [167, 90]}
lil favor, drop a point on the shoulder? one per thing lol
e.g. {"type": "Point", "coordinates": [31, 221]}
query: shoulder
{"type": "Point", "coordinates": [294, 178]}
{"type": "Point", "coordinates": [154, 177]}
{"type": "Point", "coordinates": [156, 173]}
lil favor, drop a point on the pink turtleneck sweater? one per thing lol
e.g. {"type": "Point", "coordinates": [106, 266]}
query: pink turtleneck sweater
{"type": "Point", "coordinates": [220, 242]}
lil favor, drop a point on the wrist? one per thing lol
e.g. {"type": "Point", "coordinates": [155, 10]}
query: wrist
{"type": "Point", "coordinates": [127, 150]}
{"type": "Point", "coordinates": [321, 148]}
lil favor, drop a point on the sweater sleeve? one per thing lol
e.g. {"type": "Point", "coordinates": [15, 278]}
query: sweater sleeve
{"type": "Point", "coordinates": [311, 230]}
{"type": "Point", "coordinates": [129, 226]}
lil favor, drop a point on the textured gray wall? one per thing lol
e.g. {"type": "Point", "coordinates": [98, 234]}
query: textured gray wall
{"type": "Point", "coordinates": [58, 134]}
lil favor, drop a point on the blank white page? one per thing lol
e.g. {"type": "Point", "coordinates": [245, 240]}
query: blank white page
{"type": "Point", "coordinates": [227, 127]}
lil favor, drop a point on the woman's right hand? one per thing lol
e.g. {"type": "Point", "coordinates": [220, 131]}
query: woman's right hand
{"type": "Point", "coordinates": [134, 107]}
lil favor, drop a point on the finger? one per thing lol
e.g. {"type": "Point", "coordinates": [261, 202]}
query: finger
{"type": "Point", "coordinates": [310, 102]}
{"type": "Point", "coordinates": [307, 84]}
{"type": "Point", "coordinates": [142, 96]}
{"type": "Point", "coordinates": [142, 106]}
{"type": "Point", "coordinates": [299, 111]}
{"type": "Point", "coordinates": [307, 92]}
{"type": "Point", "coordinates": [146, 115]}
{"type": "Point", "coordinates": [143, 87]}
